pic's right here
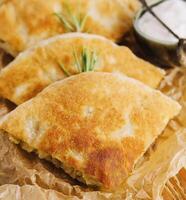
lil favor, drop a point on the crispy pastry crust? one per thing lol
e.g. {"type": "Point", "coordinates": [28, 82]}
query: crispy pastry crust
{"type": "Point", "coordinates": [96, 124]}
{"type": "Point", "coordinates": [24, 23]}
{"type": "Point", "coordinates": [38, 67]}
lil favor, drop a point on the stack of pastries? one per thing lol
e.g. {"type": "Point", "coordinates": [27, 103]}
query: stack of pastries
{"type": "Point", "coordinates": [83, 102]}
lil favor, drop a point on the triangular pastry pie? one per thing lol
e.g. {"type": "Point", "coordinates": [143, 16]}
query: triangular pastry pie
{"type": "Point", "coordinates": [94, 125]}
{"type": "Point", "coordinates": [24, 23]}
{"type": "Point", "coordinates": [45, 63]}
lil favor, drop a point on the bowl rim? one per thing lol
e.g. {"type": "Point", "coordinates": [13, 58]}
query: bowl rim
{"type": "Point", "coordinates": [145, 36]}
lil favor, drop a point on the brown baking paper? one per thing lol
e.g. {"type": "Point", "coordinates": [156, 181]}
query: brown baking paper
{"type": "Point", "coordinates": [24, 176]}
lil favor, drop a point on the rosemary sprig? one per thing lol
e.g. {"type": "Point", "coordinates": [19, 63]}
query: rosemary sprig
{"type": "Point", "coordinates": [71, 22]}
{"type": "Point", "coordinates": [89, 60]}
{"type": "Point", "coordinates": [85, 63]}
{"type": "Point", "coordinates": [64, 70]}
{"type": "Point", "coordinates": [77, 61]}
{"type": "Point", "coordinates": [64, 21]}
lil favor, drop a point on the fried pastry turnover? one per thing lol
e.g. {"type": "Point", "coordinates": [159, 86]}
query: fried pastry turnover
{"type": "Point", "coordinates": [24, 23]}
{"type": "Point", "coordinates": [94, 125]}
{"type": "Point", "coordinates": [63, 55]}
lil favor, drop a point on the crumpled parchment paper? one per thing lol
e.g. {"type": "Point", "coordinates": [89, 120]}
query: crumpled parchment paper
{"type": "Point", "coordinates": [158, 175]}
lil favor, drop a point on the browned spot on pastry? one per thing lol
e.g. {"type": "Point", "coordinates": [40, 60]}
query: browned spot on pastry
{"type": "Point", "coordinates": [103, 161]}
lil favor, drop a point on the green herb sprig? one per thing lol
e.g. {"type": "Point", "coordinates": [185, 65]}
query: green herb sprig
{"type": "Point", "coordinates": [85, 63]}
{"type": "Point", "coordinates": [71, 22]}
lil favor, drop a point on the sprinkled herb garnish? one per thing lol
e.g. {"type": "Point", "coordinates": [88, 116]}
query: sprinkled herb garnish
{"type": "Point", "coordinates": [64, 70]}
{"type": "Point", "coordinates": [85, 63]}
{"type": "Point", "coordinates": [71, 22]}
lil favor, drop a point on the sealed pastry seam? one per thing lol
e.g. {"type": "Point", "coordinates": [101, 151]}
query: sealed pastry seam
{"type": "Point", "coordinates": [97, 125]}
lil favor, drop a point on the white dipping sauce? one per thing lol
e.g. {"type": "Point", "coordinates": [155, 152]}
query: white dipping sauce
{"type": "Point", "coordinates": [173, 14]}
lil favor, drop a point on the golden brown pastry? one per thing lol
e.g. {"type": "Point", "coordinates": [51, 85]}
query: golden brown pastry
{"type": "Point", "coordinates": [24, 23]}
{"type": "Point", "coordinates": [40, 66]}
{"type": "Point", "coordinates": [94, 125]}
